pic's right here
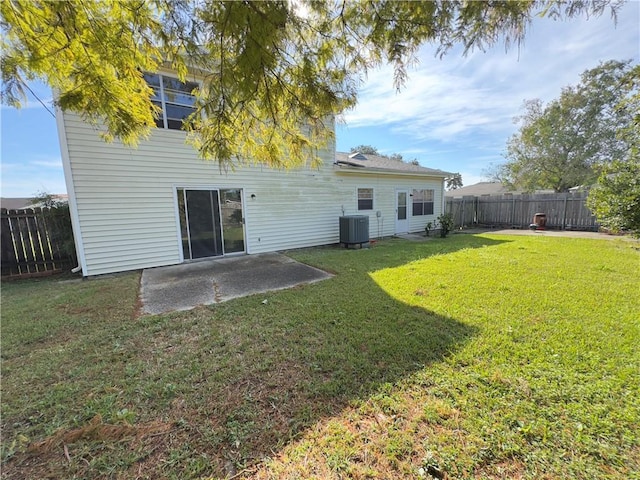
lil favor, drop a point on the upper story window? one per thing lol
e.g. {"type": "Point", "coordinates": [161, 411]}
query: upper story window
{"type": "Point", "coordinates": [174, 99]}
{"type": "Point", "coordinates": [365, 199]}
{"type": "Point", "coordinates": [422, 202]}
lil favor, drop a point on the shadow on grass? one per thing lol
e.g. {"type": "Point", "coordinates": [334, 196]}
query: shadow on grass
{"type": "Point", "coordinates": [240, 380]}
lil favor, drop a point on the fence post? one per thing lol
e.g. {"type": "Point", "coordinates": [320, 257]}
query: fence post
{"type": "Point", "coordinates": [475, 210]}
{"type": "Point", "coordinates": [513, 210]}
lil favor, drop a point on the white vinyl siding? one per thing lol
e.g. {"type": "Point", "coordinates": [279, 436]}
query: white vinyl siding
{"type": "Point", "coordinates": [384, 187]}
{"type": "Point", "coordinates": [126, 206]}
{"type": "Point", "coordinates": [127, 212]}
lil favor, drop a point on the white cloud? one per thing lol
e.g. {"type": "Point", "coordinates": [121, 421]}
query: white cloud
{"type": "Point", "coordinates": [31, 161]}
{"type": "Point", "coordinates": [52, 163]}
{"type": "Point", "coordinates": [42, 173]}
{"type": "Point", "coordinates": [32, 103]}
{"type": "Point", "coordinates": [459, 99]}
{"type": "Point", "coordinates": [21, 187]}
{"type": "Point", "coordinates": [435, 103]}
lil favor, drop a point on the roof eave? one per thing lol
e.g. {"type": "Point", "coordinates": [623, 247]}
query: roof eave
{"type": "Point", "coordinates": [342, 168]}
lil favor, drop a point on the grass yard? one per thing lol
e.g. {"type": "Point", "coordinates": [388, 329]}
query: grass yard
{"type": "Point", "coordinates": [475, 356]}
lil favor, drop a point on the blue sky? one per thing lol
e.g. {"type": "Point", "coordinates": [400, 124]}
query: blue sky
{"type": "Point", "coordinates": [453, 114]}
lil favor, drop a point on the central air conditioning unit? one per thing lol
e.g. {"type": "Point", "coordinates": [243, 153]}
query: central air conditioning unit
{"type": "Point", "coordinates": [354, 230]}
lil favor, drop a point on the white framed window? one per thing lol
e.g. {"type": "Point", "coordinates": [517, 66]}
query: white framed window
{"type": "Point", "coordinates": [422, 202]}
{"type": "Point", "coordinates": [365, 198]}
{"type": "Point", "coordinates": [174, 99]}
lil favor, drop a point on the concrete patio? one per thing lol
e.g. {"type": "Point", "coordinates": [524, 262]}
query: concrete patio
{"type": "Point", "coordinates": [206, 282]}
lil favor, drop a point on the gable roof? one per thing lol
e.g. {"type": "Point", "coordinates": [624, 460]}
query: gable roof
{"type": "Point", "coordinates": [376, 163]}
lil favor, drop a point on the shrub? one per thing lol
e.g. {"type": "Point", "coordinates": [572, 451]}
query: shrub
{"type": "Point", "coordinates": [615, 200]}
{"type": "Point", "coordinates": [428, 227]}
{"type": "Point", "coordinates": [446, 224]}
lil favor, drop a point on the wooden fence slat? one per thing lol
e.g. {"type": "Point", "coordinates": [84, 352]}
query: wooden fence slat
{"type": "Point", "coordinates": [45, 243]}
{"type": "Point", "coordinates": [8, 260]}
{"type": "Point", "coordinates": [27, 242]}
{"type": "Point", "coordinates": [18, 242]}
{"type": "Point", "coordinates": [36, 243]}
{"type": "Point", "coordinates": [51, 239]}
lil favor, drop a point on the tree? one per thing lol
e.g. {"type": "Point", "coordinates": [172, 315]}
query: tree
{"type": "Point", "coordinates": [615, 199]}
{"type": "Point", "coordinates": [564, 144]}
{"type": "Point", "coordinates": [454, 182]}
{"type": "Point", "coordinates": [365, 150]}
{"type": "Point", "coordinates": [276, 71]}
{"type": "Point", "coordinates": [371, 150]}
{"type": "Point", "coordinates": [47, 200]}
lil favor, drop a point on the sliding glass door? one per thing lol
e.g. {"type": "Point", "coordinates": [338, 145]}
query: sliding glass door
{"type": "Point", "coordinates": [232, 220]}
{"type": "Point", "coordinates": [211, 222]}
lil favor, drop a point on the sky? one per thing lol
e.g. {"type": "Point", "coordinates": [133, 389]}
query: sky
{"type": "Point", "coordinates": [454, 114]}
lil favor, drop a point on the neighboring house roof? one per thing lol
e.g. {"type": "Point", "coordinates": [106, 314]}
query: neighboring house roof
{"type": "Point", "coordinates": [485, 188]}
{"type": "Point", "coordinates": [15, 203]}
{"type": "Point", "coordinates": [377, 163]}
{"type": "Point", "coordinates": [480, 188]}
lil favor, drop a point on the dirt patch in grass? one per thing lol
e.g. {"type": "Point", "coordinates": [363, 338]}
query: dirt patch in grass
{"type": "Point", "coordinates": [97, 430]}
{"type": "Point", "coordinates": [512, 469]}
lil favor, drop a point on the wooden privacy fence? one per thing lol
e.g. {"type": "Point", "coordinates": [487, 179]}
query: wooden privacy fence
{"type": "Point", "coordinates": [564, 211]}
{"type": "Point", "coordinates": [36, 241]}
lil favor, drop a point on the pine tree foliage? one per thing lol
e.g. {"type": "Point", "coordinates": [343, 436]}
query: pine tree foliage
{"type": "Point", "coordinates": [272, 74]}
{"type": "Point", "coordinates": [454, 182]}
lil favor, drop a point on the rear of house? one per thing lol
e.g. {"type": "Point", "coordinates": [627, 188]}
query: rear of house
{"type": "Point", "coordinates": [159, 204]}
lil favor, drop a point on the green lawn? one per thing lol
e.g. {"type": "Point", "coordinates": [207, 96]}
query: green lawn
{"type": "Point", "coordinates": [475, 356]}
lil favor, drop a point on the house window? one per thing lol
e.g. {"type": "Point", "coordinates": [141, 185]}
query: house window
{"type": "Point", "coordinates": [365, 199]}
{"type": "Point", "coordinates": [423, 202]}
{"type": "Point", "coordinates": [174, 99]}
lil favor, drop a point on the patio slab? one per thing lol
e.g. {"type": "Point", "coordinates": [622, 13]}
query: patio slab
{"type": "Point", "coordinates": [185, 286]}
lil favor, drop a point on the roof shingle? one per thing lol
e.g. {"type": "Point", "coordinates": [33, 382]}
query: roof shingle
{"type": "Point", "coordinates": [380, 163]}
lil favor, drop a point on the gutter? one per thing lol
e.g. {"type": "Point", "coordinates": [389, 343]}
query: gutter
{"type": "Point", "coordinates": [372, 171]}
{"type": "Point", "coordinates": [353, 168]}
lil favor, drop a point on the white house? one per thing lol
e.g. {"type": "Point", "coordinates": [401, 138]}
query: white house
{"type": "Point", "coordinates": [159, 204]}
